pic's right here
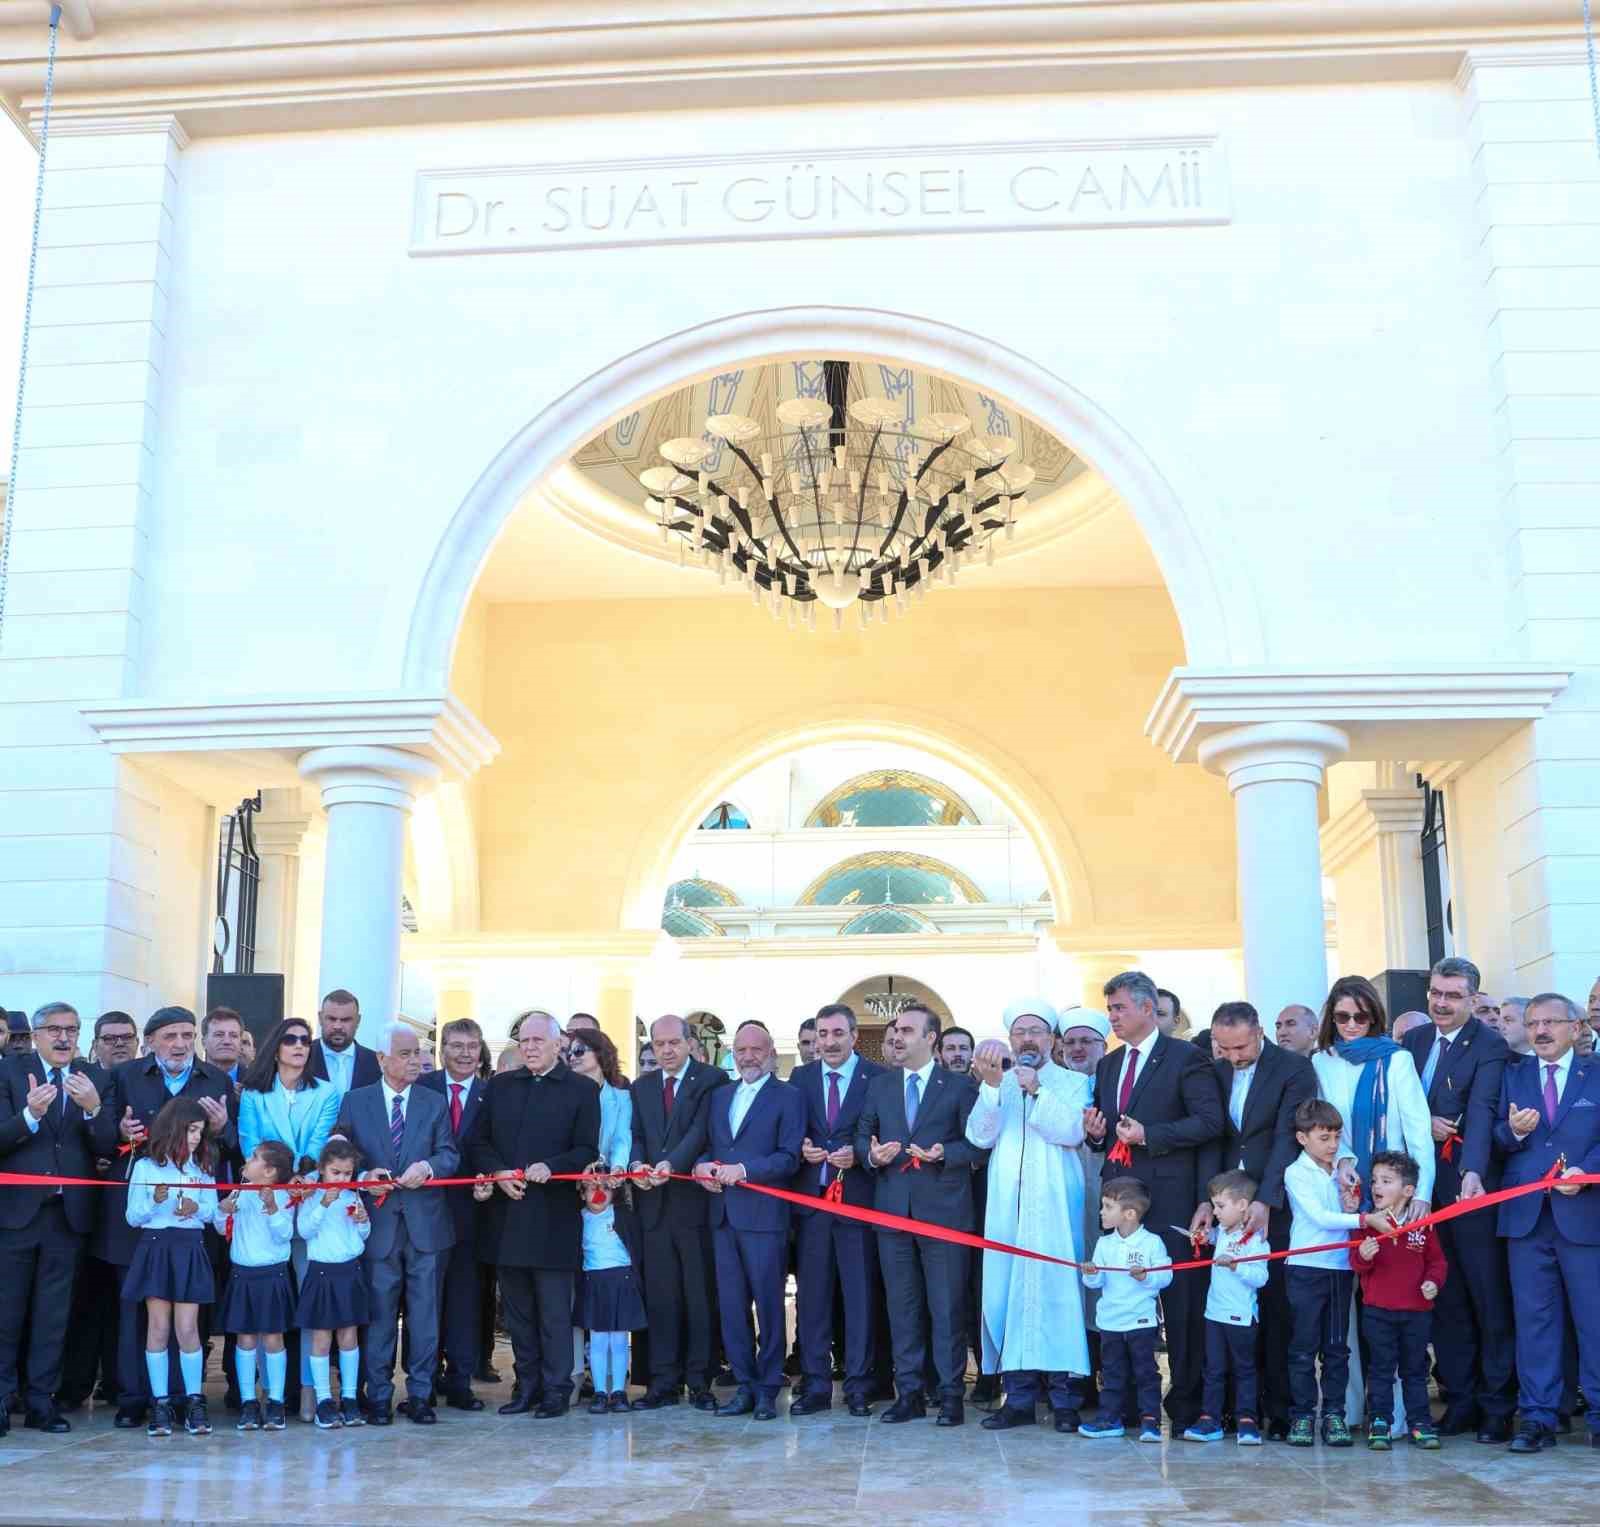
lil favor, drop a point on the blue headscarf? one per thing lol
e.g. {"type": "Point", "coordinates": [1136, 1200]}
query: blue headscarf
{"type": "Point", "coordinates": [1369, 1121]}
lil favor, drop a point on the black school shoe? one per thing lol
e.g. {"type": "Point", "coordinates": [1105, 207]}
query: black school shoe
{"type": "Point", "coordinates": [196, 1420]}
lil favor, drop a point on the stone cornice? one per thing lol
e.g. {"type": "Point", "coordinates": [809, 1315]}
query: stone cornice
{"type": "Point", "coordinates": [1378, 811]}
{"type": "Point", "coordinates": [472, 947]}
{"type": "Point", "coordinates": [1441, 710]}
{"type": "Point", "coordinates": [439, 727]}
{"type": "Point", "coordinates": [239, 65]}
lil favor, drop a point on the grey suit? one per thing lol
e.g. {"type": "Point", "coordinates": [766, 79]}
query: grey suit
{"type": "Point", "coordinates": [411, 1233]}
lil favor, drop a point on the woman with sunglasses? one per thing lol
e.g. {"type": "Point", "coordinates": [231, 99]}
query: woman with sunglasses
{"type": "Point", "coordinates": [591, 1053]}
{"type": "Point", "coordinates": [279, 1099]}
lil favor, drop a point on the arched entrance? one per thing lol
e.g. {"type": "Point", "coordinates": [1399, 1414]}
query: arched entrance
{"type": "Point", "coordinates": [878, 999]}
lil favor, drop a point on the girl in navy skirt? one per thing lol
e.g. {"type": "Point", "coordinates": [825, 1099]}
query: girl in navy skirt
{"type": "Point", "coordinates": [258, 1303]}
{"type": "Point", "coordinates": [333, 1297]}
{"type": "Point", "coordinates": [170, 1270]}
{"type": "Point", "coordinates": [611, 1303]}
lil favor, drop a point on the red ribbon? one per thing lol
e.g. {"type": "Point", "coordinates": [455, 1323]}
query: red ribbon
{"type": "Point", "coordinates": [1119, 1154]}
{"type": "Point", "coordinates": [882, 1221]}
{"type": "Point", "coordinates": [834, 1192]}
{"type": "Point", "coordinates": [1447, 1151]}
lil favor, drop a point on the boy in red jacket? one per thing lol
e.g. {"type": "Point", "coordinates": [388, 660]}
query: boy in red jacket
{"type": "Point", "coordinates": [1400, 1277]}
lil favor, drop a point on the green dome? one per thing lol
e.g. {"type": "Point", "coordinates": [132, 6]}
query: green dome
{"type": "Point", "coordinates": [887, 920]}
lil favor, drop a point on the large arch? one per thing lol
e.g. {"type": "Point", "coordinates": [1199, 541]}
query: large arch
{"type": "Point", "coordinates": [682, 802]}
{"type": "Point", "coordinates": [1216, 610]}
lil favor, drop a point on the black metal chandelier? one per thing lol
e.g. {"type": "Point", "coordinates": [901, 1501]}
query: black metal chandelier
{"type": "Point", "coordinates": [847, 504]}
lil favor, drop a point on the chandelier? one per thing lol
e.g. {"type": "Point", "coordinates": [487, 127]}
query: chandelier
{"type": "Point", "coordinates": [848, 504]}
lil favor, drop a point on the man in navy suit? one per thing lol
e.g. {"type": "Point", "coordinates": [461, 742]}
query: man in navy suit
{"type": "Point", "coordinates": [755, 1132]}
{"type": "Point", "coordinates": [403, 1132]}
{"type": "Point", "coordinates": [1549, 1113]}
{"type": "Point", "coordinates": [336, 1057]}
{"type": "Point", "coordinates": [460, 1338]}
{"type": "Point", "coordinates": [1462, 1063]}
{"type": "Point", "coordinates": [912, 1138]}
{"type": "Point", "coordinates": [834, 1255]}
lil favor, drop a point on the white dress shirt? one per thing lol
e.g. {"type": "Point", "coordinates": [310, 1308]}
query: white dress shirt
{"type": "Point", "coordinates": [145, 1213]}
{"type": "Point", "coordinates": [341, 1065]}
{"type": "Point", "coordinates": [1239, 1093]}
{"type": "Point", "coordinates": [1142, 1050]}
{"type": "Point", "coordinates": [1128, 1303]}
{"type": "Point", "coordinates": [743, 1096]}
{"type": "Point", "coordinates": [923, 1075]}
{"type": "Point", "coordinates": [389, 1095]}
{"type": "Point", "coordinates": [329, 1232]}
{"type": "Point", "coordinates": [1317, 1218]}
{"type": "Point", "coordinates": [261, 1239]}
{"type": "Point", "coordinates": [1563, 1071]}
{"type": "Point", "coordinates": [846, 1074]}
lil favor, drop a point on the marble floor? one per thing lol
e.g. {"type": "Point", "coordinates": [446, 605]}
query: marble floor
{"type": "Point", "coordinates": [679, 1466]}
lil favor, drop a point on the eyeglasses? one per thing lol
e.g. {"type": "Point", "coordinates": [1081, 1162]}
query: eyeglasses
{"type": "Point", "coordinates": [294, 1039]}
{"type": "Point", "coordinates": [59, 1032]}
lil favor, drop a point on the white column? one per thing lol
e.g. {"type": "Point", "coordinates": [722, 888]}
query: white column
{"type": "Point", "coordinates": [280, 828]}
{"type": "Point", "coordinates": [368, 793]}
{"type": "Point", "coordinates": [1274, 771]}
{"type": "Point", "coordinates": [1372, 851]}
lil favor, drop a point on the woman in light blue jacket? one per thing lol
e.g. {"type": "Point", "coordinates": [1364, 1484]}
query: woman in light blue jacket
{"type": "Point", "coordinates": [593, 1055]}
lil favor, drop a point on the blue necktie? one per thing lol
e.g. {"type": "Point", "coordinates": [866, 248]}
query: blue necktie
{"type": "Point", "coordinates": [397, 1128]}
{"type": "Point", "coordinates": [1428, 1070]}
{"type": "Point", "coordinates": [911, 1100]}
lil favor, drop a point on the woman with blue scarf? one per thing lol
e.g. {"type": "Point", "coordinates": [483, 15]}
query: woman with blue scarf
{"type": "Point", "coordinates": [1373, 1082]}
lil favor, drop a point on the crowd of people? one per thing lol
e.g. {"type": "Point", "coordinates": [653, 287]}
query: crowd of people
{"type": "Point", "coordinates": [276, 1206]}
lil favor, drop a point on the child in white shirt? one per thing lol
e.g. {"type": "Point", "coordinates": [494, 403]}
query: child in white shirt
{"type": "Point", "coordinates": [1231, 1313]}
{"type": "Point", "coordinates": [333, 1298]}
{"type": "Point", "coordinates": [258, 1302]}
{"type": "Point", "coordinates": [1127, 1315]}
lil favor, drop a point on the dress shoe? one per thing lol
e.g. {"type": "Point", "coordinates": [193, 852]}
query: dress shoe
{"type": "Point", "coordinates": [463, 1399]}
{"type": "Point", "coordinates": [1533, 1438]}
{"type": "Point", "coordinates": [1067, 1421]}
{"type": "Point", "coordinates": [1278, 1430]}
{"type": "Point", "coordinates": [655, 1399]}
{"type": "Point", "coordinates": [486, 1375]}
{"type": "Point", "coordinates": [51, 1421]}
{"type": "Point", "coordinates": [421, 1412]}
{"type": "Point", "coordinates": [1495, 1429]}
{"type": "Point", "coordinates": [765, 1411]}
{"type": "Point", "coordinates": [1456, 1425]}
{"type": "Point", "coordinates": [909, 1407]}
{"type": "Point", "coordinates": [518, 1405]}
{"type": "Point", "coordinates": [742, 1404]}
{"type": "Point", "coordinates": [1004, 1419]}
{"type": "Point", "coordinates": [129, 1417]}
{"type": "Point", "coordinates": [860, 1409]}
{"type": "Point", "coordinates": [703, 1399]}
{"type": "Point", "coordinates": [380, 1415]}
{"type": "Point", "coordinates": [809, 1404]}
{"type": "Point", "coordinates": [551, 1410]}
{"type": "Point", "coordinates": [951, 1413]}
{"type": "Point", "coordinates": [986, 1389]}
{"type": "Point", "coordinates": [617, 1405]}
{"type": "Point", "coordinates": [723, 1379]}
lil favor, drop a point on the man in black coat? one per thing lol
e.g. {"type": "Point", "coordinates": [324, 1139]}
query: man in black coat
{"type": "Point", "coordinates": [460, 1302]}
{"type": "Point", "coordinates": [48, 1104]}
{"type": "Point", "coordinates": [1158, 1097]}
{"type": "Point", "coordinates": [834, 1255]}
{"type": "Point", "coordinates": [138, 1091]}
{"type": "Point", "coordinates": [670, 1131]}
{"type": "Point", "coordinates": [912, 1139]}
{"type": "Point", "coordinates": [335, 1055]}
{"type": "Point", "coordinates": [1461, 1061]}
{"type": "Point", "coordinates": [538, 1120]}
{"type": "Point", "coordinates": [1261, 1086]}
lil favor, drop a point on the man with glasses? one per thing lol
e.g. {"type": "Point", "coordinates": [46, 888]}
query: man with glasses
{"type": "Point", "coordinates": [1548, 1124]}
{"type": "Point", "coordinates": [116, 1040]}
{"type": "Point", "coordinates": [1462, 1061]}
{"type": "Point", "coordinates": [460, 1292]}
{"type": "Point", "coordinates": [48, 1104]}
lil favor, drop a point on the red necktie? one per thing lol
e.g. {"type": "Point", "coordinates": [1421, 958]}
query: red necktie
{"type": "Point", "coordinates": [455, 1108]}
{"type": "Point", "coordinates": [667, 1095]}
{"type": "Point", "coordinates": [1127, 1082]}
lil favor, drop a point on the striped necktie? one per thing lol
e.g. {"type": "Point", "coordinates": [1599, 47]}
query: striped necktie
{"type": "Point", "coordinates": [397, 1128]}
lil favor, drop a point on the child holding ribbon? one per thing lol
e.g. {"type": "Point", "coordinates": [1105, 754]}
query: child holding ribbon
{"type": "Point", "coordinates": [258, 1303]}
{"type": "Point", "coordinates": [333, 1299]}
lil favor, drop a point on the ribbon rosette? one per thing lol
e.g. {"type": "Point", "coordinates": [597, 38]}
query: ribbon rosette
{"type": "Point", "coordinates": [1447, 1151]}
{"type": "Point", "coordinates": [1119, 1154]}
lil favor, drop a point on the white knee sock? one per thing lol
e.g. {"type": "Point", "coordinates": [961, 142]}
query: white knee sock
{"type": "Point", "coordinates": [319, 1377]}
{"type": "Point", "coordinates": [244, 1364]}
{"type": "Point", "coordinates": [600, 1362]}
{"type": "Point", "coordinates": [618, 1341]}
{"type": "Point", "coordinates": [349, 1372]}
{"type": "Point", "coordinates": [192, 1366]}
{"type": "Point", "coordinates": [156, 1366]}
{"type": "Point", "coordinates": [277, 1370]}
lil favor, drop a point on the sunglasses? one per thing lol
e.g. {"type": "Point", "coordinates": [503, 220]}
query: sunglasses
{"type": "Point", "coordinates": [294, 1039]}
{"type": "Point", "coordinates": [577, 1052]}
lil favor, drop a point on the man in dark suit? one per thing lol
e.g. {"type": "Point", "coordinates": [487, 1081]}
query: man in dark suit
{"type": "Point", "coordinates": [669, 1135]}
{"type": "Point", "coordinates": [834, 1256]}
{"type": "Point", "coordinates": [336, 1056]}
{"type": "Point", "coordinates": [536, 1121]}
{"type": "Point", "coordinates": [403, 1133]}
{"type": "Point", "coordinates": [460, 1338]}
{"type": "Point", "coordinates": [48, 1103]}
{"type": "Point", "coordinates": [755, 1131]}
{"type": "Point", "coordinates": [1262, 1085]}
{"type": "Point", "coordinates": [1158, 1097]}
{"type": "Point", "coordinates": [1462, 1063]}
{"type": "Point", "coordinates": [912, 1139]}
{"type": "Point", "coordinates": [1549, 1112]}
{"type": "Point", "coordinates": [139, 1089]}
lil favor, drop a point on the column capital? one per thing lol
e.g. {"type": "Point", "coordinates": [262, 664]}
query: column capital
{"type": "Point", "coordinates": [1296, 751]}
{"type": "Point", "coordinates": [1379, 813]}
{"type": "Point", "coordinates": [282, 823]}
{"type": "Point", "coordinates": [370, 776]}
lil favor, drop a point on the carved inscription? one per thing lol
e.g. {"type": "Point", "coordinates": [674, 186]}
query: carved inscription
{"type": "Point", "coordinates": [966, 188]}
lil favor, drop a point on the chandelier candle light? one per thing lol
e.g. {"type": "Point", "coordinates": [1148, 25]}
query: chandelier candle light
{"type": "Point", "coordinates": [848, 504]}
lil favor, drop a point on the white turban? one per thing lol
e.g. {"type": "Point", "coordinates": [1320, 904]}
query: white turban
{"type": "Point", "coordinates": [1084, 1018]}
{"type": "Point", "coordinates": [1036, 1006]}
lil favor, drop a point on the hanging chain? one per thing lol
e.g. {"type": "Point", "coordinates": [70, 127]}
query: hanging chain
{"type": "Point", "coordinates": [27, 316]}
{"type": "Point", "coordinates": [1594, 78]}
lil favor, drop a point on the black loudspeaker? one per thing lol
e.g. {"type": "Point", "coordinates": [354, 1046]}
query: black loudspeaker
{"type": "Point", "coordinates": [258, 999]}
{"type": "Point", "coordinates": [1403, 991]}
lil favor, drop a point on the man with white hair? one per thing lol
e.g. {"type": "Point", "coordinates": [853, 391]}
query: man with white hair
{"type": "Point", "coordinates": [1029, 1117]}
